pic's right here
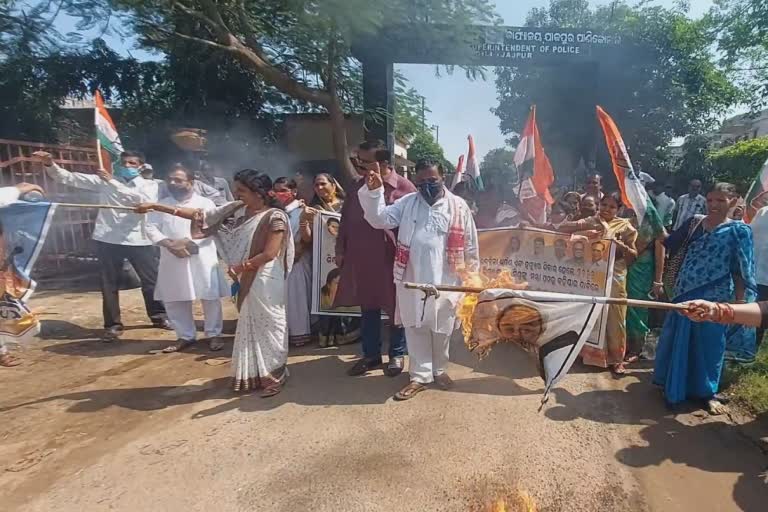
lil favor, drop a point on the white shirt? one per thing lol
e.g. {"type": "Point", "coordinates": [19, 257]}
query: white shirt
{"type": "Point", "coordinates": [687, 207]}
{"type": "Point", "coordinates": [427, 262]}
{"type": "Point", "coordinates": [198, 277]}
{"type": "Point", "coordinates": [9, 195]}
{"type": "Point", "coordinates": [113, 226]}
{"type": "Point", "coordinates": [759, 226]}
{"type": "Point", "coordinates": [665, 205]}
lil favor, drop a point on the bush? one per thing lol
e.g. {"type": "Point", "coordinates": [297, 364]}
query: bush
{"type": "Point", "coordinates": [740, 164]}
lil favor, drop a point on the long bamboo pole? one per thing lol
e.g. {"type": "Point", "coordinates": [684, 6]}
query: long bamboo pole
{"type": "Point", "coordinates": [101, 206]}
{"type": "Point", "coordinates": [573, 298]}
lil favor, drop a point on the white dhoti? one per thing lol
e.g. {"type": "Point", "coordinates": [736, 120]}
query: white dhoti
{"type": "Point", "coordinates": [427, 353]}
{"type": "Point", "coordinates": [180, 313]}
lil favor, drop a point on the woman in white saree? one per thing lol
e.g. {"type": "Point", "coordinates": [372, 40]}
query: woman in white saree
{"type": "Point", "coordinates": [254, 236]}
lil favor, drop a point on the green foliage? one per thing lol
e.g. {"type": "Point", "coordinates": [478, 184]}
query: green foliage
{"type": "Point", "coordinates": [424, 147]}
{"type": "Point", "coordinates": [695, 163]}
{"type": "Point", "coordinates": [498, 167]}
{"type": "Point", "coordinates": [739, 164]}
{"type": "Point", "coordinates": [743, 38]}
{"type": "Point", "coordinates": [666, 85]}
{"type": "Point", "coordinates": [409, 110]}
{"type": "Point", "coordinates": [748, 383]}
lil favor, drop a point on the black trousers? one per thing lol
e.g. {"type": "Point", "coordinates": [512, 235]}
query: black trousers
{"type": "Point", "coordinates": [144, 259]}
{"type": "Point", "coordinates": [762, 295]}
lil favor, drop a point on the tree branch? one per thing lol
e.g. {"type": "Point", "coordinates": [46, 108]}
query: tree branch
{"type": "Point", "coordinates": [205, 42]}
{"type": "Point", "coordinates": [195, 14]}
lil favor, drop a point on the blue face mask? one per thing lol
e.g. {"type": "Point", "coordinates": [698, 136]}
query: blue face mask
{"type": "Point", "coordinates": [431, 190]}
{"type": "Point", "coordinates": [126, 173]}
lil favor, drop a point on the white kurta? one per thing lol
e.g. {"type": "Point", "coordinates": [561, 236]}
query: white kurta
{"type": "Point", "coordinates": [428, 261]}
{"type": "Point", "coordinates": [198, 277]}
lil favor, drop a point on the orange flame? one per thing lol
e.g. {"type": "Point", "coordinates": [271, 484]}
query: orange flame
{"type": "Point", "coordinates": [520, 501]}
{"type": "Point", "coordinates": [466, 309]}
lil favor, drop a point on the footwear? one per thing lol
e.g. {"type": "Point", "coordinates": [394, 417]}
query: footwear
{"type": "Point", "coordinates": [215, 344]}
{"type": "Point", "coordinates": [9, 361]}
{"type": "Point", "coordinates": [411, 390]}
{"type": "Point", "coordinates": [395, 366]}
{"type": "Point", "coordinates": [363, 366]}
{"type": "Point", "coordinates": [163, 324]}
{"type": "Point", "coordinates": [112, 334]}
{"type": "Point", "coordinates": [443, 381]}
{"type": "Point", "coordinates": [180, 346]}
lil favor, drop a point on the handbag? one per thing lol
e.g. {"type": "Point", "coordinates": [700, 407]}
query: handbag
{"type": "Point", "coordinates": [675, 261]}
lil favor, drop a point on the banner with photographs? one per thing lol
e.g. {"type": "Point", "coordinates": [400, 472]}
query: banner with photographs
{"type": "Point", "coordinates": [325, 273]}
{"type": "Point", "coordinates": [551, 262]}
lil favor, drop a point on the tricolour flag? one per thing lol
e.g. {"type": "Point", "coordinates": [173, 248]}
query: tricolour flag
{"type": "Point", "coordinates": [23, 228]}
{"type": "Point", "coordinates": [459, 176]}
{"type": "Point", "coordinates": [534, 171]}
{"type": "Point", "coordinates": [552, 326]}
{"type": "Point", "coordinates": [633, 192]}
{"type": "Point", "coordinates": [758, 186]}
{"type": "Point", "coordinates": [106, 135]}
{"type": "Point", "coordinates": [473, 170]}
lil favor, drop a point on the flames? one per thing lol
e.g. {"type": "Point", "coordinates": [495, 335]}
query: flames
{"type": "Point", "coordinates": [466, 308]}
{"type": "Point", "coordinates": [520, 503]}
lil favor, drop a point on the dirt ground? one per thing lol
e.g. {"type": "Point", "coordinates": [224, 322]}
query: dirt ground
{"type": "Point", "coordinates": [87, 426]}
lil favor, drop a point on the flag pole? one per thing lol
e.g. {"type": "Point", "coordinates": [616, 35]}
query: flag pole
{"type": "Point", "coordinates": [98, 153]}
{"type": "Point", "coordinates": [572, 298]}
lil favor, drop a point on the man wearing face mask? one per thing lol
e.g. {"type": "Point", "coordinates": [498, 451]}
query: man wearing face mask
{"type": "Point", "coordinates": [365, 256]}
{"type": "Point", "coordinates": [436, 244]}
{"type": "Point", "coordinates": [189, 269]}
{"type": "Point", "coordinates": [119, 235]}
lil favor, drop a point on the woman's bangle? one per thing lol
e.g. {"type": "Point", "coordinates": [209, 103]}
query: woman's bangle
{"type": "Point", "coordinates": [658, 283]}
{"type": "Point", "coordinates": [175, 211]}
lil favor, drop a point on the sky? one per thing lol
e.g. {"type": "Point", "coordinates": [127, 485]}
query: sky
{"type": "Point", "coordinates": [460, 106]}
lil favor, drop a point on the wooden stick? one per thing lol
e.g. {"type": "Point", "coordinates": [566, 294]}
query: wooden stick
{"type": "Point", "coordinates": [583, 298]}
{"type": "Point", "coordinates": [98, 151]}
{"type": "Point", "coordinates": [102, 206]}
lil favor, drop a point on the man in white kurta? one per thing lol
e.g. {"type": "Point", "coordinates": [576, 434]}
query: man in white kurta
{"type": "Point", "coordinates": [437, 244]}
{"type": "Point", "coordinates": [189, 269]}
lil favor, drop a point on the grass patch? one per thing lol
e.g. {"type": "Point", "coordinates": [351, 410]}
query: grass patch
{"type": "Point", "coordinates": [748, 383]}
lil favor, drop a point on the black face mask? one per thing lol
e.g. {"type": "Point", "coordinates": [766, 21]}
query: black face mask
{"type": "Point", "coordinates": [431, 190]}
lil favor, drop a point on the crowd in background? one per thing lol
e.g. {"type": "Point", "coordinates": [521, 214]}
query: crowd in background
{"type": "Point", "coordinates": [693, 247]}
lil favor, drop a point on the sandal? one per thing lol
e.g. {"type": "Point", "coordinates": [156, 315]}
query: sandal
{"type": "Point", "coordinates": [180, 346]}
{"type": "Point", "coordinates": [215, 344]}
{"type": "Point", "coordinates": [631, 359]}
{"type": "Point", "coordinates": [9, 361]}
{"type": "Point", "coordinates": [274, 387]}
{"type": "Point", "coordinates": [411, 390]}
{"type": "Point", "coordinates": [618, 369]}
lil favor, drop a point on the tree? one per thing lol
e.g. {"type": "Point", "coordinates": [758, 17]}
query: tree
{"type": "Point", "coordinates": [302, 49]}
{"type": "Point", "coordinates": [498, 167]}
{"type": "Point", "coordinates": [739, 164]}
{"type": "Point", "coordinates": [695, 162]}
{"type": "Point", "coordinates": [743, 38]}
{"type": "Point", "coordinates": [410, 109]}
{"type": "Point", "coordinates": [668, 84]}
{"type": "Point", "coordinates": [424, 147]}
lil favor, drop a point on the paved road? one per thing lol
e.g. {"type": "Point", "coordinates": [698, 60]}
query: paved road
{"type": "Point", "coordinates": [87, 427]}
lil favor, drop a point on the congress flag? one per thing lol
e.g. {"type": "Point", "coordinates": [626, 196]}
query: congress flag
{"type": "Point", "coordinates": [107, 138]}
{"type": "Point", "coordinates": [473, 169]}
{"type": "Point", "coordinates": [552, 326]}
{"type": "Point", "coordinates": [23, 229]}
{"type": "Point", "coordinates": [535, 171]}
{"type": "Point", "coordinates": [633, 192]}
{"type": "Point", "coordinates": [459, 176]}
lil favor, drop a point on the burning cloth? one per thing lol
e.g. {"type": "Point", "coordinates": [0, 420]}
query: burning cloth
{"type": "Point", "coordinates": [552, 326]}
{"type": "Point", "coordinates": [23, 228]}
